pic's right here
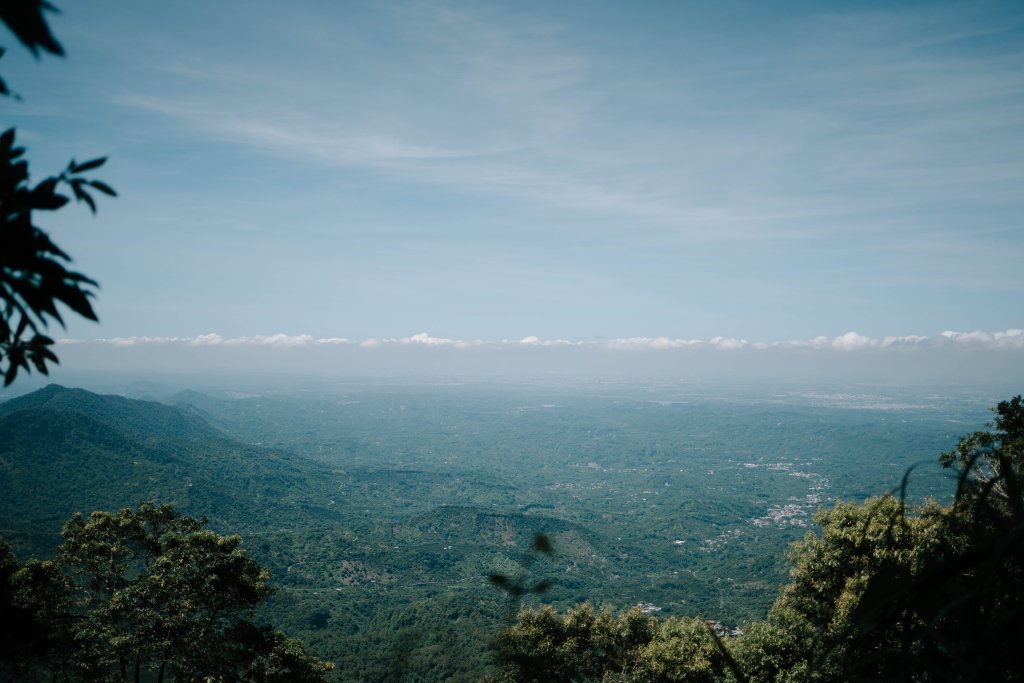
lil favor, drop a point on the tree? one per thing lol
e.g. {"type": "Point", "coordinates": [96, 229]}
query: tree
{"type": "Point", "coordinates": [992, 463]}
{"type": "Point", "coordinates": [860, 552]}
{"type": "Point", "coordinates": [30, 618]}
{"type": "Point", "coordinates": [976, 597]}
{"type": "Point", "coordinates": [584, 645]}
{"type": "Point", "coordinates": [150, 593]}
{"type": "Point", "coordinates": [930, 594]}
{"type": "Point", "coordinates": [580, 645]}
{"type": "Point", "coordinates": [34, 277]}
{"type": "Point", "coordinates": [43, 592]}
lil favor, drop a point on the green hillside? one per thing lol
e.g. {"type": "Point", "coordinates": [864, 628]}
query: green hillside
{"type": "Point", "coordinates": [379, 577]}
{"type": "Point", "coordinates": [68, 450]}
{"type": "Point", "coordinates": [139, 417]}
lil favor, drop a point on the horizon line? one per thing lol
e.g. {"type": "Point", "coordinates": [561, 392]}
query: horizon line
{"type": "Point", "coordinates": [1012, 338]}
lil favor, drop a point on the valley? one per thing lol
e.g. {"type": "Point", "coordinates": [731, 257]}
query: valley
{"type": "Point", "coordinates": [382, 509]}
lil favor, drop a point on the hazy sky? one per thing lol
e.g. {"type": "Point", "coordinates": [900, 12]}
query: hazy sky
{"type": "Point", "coordinates": [645, 173]}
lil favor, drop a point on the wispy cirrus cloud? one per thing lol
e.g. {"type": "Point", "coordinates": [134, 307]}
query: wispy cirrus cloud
{"type": "Point", "coordinates": [852, 115]}
{"type": "Point", "coordinates": [1011, 339]}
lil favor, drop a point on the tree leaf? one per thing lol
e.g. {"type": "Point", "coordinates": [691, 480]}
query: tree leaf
{"type": "Point", "coordinates": [83, 196]}
{"type": "Point", "coordinates": [103, 187]}
{"type": "Point", "coordinates": [86, 165]}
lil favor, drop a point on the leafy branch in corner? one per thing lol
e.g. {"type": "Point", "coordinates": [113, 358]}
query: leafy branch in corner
{"type": "Point", "coordinates": [34, 277]}
{"type": "Point", "coordinates": [33, 274]}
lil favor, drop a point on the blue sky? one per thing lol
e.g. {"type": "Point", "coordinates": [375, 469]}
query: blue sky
{"type": "Point", "coordinates": [586, 172]}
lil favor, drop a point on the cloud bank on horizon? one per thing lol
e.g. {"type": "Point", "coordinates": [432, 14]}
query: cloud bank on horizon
{"type": "Point", "coordinates": [1012, 339]}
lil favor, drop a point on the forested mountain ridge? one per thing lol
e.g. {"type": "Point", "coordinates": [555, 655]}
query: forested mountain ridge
{"type": "Point", "coordinates": [69, 450]}
{"type": "Point", "coordinates": [144, 417]}
{"type": "Point", "coordinates": [64, 451]}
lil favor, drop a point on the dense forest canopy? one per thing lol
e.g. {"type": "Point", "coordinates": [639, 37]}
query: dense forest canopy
{"type": "Point", "coordinates": [376, 570]}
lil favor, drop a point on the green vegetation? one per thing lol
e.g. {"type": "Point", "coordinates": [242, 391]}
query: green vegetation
{"type": "Point", "coordinates": [67, 450]}
{"type": "Point", "coordinates": [381, 511]}
{"type": "Point", "coordinates": [881, 592]}
{"type": "Point", "coordinates": [147, 594]}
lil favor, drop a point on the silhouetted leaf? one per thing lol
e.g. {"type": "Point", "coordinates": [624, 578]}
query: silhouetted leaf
{"type": "Point", "coordinates": [82, 196]}
{"type": "Point", "coordinates": [78, 301]}
{"type": "Point", "coordinates": [45, 188]}
{"type": "Point", "coordinates": [22, 324]}
{"type": "Point", "coordinates": [27, 22]}
{"type": "Point", "coordinates": [86, 165]}
{"type": "Point", "coordinates": [103, 187]}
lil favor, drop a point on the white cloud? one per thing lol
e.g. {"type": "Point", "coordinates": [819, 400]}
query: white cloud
{"type": "Point", "coordinates": [127, 341]}
{"type": "Point", "coordinates": [852, 341]}
{"type": "Point", "coordinates": [908, 340]}
{"type": "Point", "coordinates": [548, 103]}
{"type": "Point", "coordinates": [532, 340]}
{"type": "Point", "coordinates": [1012, 338]}
{"type": "Point", "coordinates": [213, 339]}
{"type": "Point", "coordinates": [207, 340]}
{"type": "Point", "coordinates": [276, 340]}
{"type": "Point", "coordinates": [652, 343]}
{"type": "Point", "coordinates": [819, 342]}
{"type": "Point", "coordinates": [426, 340]}
{"type": "Point", "coordinates": [728, 343]}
